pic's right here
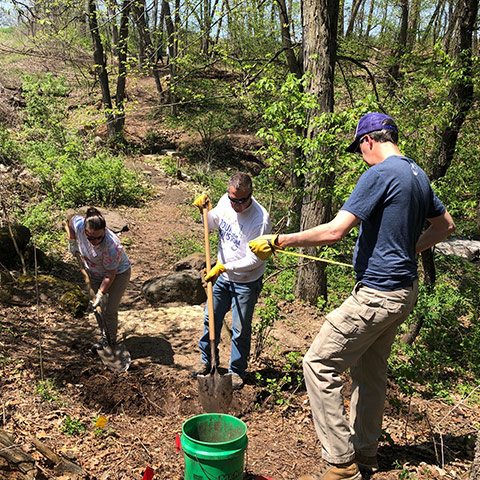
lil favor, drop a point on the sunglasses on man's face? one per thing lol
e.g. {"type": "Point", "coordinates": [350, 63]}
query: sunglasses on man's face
{"type": "Point", "coordinates": [240, 200]}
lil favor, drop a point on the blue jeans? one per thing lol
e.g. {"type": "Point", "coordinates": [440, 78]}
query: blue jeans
{"type": "Point", "coordinates": [241, 297]}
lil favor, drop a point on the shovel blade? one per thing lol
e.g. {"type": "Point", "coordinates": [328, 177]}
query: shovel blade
{"type": "Point", "coordinates": [215, 392]}
{"type": "Point", "coordinates": [116, 358]}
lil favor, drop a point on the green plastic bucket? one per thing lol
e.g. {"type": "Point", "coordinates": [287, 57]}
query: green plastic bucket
{"type": "Point", "coordinates": [214, 447]}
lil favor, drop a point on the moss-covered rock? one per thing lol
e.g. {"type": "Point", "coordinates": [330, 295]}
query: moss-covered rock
{"type": "Point", "coordinates": [74, 301]}
{"type": "Point", "coordinates": [70, 297]}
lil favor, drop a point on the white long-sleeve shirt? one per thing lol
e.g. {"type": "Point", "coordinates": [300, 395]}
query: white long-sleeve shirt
{"type": "Point", "coordinates": [235, 230]}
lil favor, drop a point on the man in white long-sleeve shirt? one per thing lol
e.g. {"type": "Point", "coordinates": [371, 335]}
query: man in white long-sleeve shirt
{"type": "Point", "coordinates": [238, 273]}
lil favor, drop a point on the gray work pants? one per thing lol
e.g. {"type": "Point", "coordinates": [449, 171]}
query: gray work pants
{"type": "Point", "coordinates": [112, 301]}
{"type": "Point", "coordinates": [357, 335]}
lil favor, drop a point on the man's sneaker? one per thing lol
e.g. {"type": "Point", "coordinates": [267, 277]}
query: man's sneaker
{"type": "Point", "coordinates": [366, 464]}
{"type": "Point", "coordinates": [201, 369]}
{"type": "Point", "coordinates": [344, 471]}
{"type": "Point", "coordinates": [237, 382]}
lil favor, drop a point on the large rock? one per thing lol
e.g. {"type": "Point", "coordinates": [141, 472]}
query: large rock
{"type": "Point", "coordinates": [115, 222]}
{"type": "Point", "coordinates": [460, 247]}
{"type": "Point", "coordinates": [8, 253]}
{"type": "Point", "coordinates": [184, 286]}
{"type": "Point", "coordinates": [195, 261]}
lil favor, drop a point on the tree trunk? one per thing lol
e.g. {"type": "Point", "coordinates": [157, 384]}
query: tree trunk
{"type": "Point", "coordinates": [112, 9]}
{"type": "Point", "coordinates": [341, 19]}
{"type": "Point", "coordinates": [320, 21]}
{"type": "Point", "coordinates": [295, 66]}
{"type": "Point", "coordinates": [144, 32]}
{"type": "Point", "coordinates": [285, 22]}
{"type": "Point", "coordinates": [461, 95]}
{"type": "Point", "coordinates": [432, 21]}
{"type": "Point", "coordinates": [370, 19]}
{"type": "Point", "coordinates": [452, 16]}
{"type": "Point", "coordinates": [122, 69]}
{"type": "Point", "coordinates": [100, 68]}
{"type": "Point", "coordinates": [400, 48]}
{"type": "Point", "coordinates": [429, 284]}
{"type": "Point", "coordinates": [383, 23]}
{"type": "Point", "coordinates": [172, 54]}
{"type": "Point", "coordinates": [461, 91]}
{"type": "Point", "coordinates": [413, 19]}
{"type": "Point", "coordinates": [351, 23]}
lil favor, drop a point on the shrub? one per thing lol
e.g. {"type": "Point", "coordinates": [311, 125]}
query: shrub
{"type": "Point", "coordinates": [102, 180]}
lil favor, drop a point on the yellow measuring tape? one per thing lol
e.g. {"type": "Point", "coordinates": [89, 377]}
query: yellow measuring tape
{"type": "Point", "coordinates": [313, 258]}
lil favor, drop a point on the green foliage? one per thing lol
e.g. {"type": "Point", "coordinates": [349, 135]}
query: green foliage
{"type": "Point", "coordinates": [287, 113]}
{"type": "Point", "coordinates": [403, 474]}
{"type": "Point", "coordinates": [184, 245]}
{"type": "Point", "coordinates": [41, 218]}
{"type": "Point", "coordinates": [215, 184]}
{"type": "Point", "coordinates": [8, 149]}
{"type": "Point", "coordinates": [48, 390]}
{"type": "Point", "coordinates": [70, 177]}
{"type": "Point", "coordinates": [459, 188]}
{"type": "Point", "coordinates": [281, 387]}
{"type": "Point", "coordinates": [284, 267]}
{"type": "Point", "coordinates": [212, 127]}
{"type": "Point", "coordinates": [45, 106]}
{"type": "Point", "coordinates": [102, 180]}
{"type": "Point", "coordinates": [446, 351]}
{"type": "Point", "coordinates": [261, 330]}
{"type": "Point", "coordinates": [69, 173]}
{"type": "Point", "coordinates": [169, 165]}
{"type": "Point", "coordinates": [72, 426]}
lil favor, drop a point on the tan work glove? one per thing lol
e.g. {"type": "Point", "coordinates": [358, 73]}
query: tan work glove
{"type": "Point", "coordinates": [214, 273]}
{"type": "Point", "coordinates": [98, 299]}
{"type": "Point", "coordinates": [202, 202]}
{"type": "Point", "coordinates": [263, 246]}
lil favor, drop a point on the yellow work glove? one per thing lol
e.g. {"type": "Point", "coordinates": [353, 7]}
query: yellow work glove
{"type": "Point", "coordinates": [263, 246]}
{"type": "Point", "coordinates": [214, 273]}
{"type": "Point", "coordinates": [202, 202]}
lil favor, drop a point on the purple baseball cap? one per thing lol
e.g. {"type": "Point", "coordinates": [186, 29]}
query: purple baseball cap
{"type": "Point", "coordinates": [370, 123]}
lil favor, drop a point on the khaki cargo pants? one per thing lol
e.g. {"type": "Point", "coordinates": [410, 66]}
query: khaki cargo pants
{"type": "Point", "coordinates": [113, 297]}
{"type": "Point", "coordinates": [357, 335]}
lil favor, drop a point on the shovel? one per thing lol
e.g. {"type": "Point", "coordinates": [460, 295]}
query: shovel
{"type": "Point", "coordinates": [214, 390]}
{"type": "Point", "coordinates": [114, 357]}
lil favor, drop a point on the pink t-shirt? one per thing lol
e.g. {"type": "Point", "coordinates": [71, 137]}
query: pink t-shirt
{"type": "Point", "coordinates": [108, 255]}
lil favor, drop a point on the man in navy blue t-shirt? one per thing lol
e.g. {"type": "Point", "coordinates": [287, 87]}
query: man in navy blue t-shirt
{"type": "Point", "coordinates": [391, 202]}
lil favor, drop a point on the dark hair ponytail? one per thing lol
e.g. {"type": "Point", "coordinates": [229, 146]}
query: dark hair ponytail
{"type": "Point", "coordinates": [94, 219]}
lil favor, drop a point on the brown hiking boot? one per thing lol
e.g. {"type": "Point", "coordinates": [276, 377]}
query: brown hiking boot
{"type": "Point", "coordinates": [366, 464]}
{"type": "Point", "coordinates": [344, 471]}
{"type": "Point", "coordinates": [201, 369]}
{"type": "Point", "coordinates": [237, 382]}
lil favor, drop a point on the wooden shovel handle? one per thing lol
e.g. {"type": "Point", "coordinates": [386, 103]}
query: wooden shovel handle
{"type": "Point", "coordinates": [211, 320]}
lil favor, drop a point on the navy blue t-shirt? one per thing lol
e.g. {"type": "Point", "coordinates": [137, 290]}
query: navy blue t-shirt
{"type": "Point", "coordinates": [392, 198]}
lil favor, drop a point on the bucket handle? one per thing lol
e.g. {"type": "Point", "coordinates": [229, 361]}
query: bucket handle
{"type": "Point", "coordinates": [211, 477]}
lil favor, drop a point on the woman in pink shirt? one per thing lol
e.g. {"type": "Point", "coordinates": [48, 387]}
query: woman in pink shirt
{"type": "Point", "coordinates": [106, 263]}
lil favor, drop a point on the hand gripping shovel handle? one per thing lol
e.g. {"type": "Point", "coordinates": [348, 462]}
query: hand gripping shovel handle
{"type": "Point", "coordinates": [91, 293]}
{"type": "Point", "coordinates": [96, 310]}
{"type": "Point", "coordinates": [211, 319]}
